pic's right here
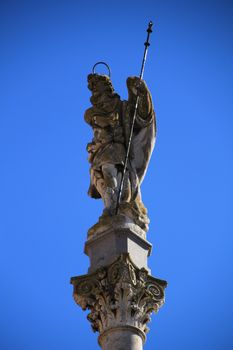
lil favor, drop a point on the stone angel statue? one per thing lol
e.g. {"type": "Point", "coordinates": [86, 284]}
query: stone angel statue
{"type": "Point", "coordinates": [111, 120]}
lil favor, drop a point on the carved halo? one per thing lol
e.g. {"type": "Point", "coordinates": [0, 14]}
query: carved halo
{"type": "Point", "coordinates": [103, 63]}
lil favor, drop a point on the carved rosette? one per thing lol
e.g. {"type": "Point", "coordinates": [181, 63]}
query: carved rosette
{"type": "Point", "coordinates": [119, 295]}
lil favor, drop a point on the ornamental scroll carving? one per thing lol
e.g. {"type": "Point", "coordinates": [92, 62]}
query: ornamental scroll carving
{"type": "Point", "coordinates": [120, 294]}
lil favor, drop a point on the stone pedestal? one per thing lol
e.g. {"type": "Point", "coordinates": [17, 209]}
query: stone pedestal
{"type": "Point", "coordinates": [106, 247]}
{"type": "Point", "coordinates": [118, 289]}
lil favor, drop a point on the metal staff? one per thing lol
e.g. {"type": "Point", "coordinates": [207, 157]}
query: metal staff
{"type": "Point", "coordinates": [147, 44]}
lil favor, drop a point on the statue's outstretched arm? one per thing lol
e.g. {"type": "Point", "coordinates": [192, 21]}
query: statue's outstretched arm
{"type": "Point", "coordinates": [136, 86]}
{"type": "Point", "coordinates": [145, 106]}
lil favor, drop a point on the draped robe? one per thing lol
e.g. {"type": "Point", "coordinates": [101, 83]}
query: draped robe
{"type": "Point", "coordinates": [111, 122]}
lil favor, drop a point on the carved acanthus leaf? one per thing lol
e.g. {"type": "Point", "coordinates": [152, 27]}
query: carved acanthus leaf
{"type": "Point", "coordinates": [119, 294]}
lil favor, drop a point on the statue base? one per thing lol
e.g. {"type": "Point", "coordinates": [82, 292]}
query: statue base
{"type": "Point", "coordinates": [118, 289]}
{"type": "Point", "coordinates": [121, 220]}
{"type": "Point", "coordinates": [106, 247]}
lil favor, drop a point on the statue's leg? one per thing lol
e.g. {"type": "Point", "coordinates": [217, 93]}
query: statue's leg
{"type": "Point", "coordinates": [110, 191]}
{"type": "Point", "coordinates": [109, 185]}
{"type": "Point", "coordinates": [126, 191]}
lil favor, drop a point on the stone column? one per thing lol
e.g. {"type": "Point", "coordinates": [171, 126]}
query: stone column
{"type": "Point", "coordinates": [118, 289]}
{"type": "Point", "coordinates": [122, 338]}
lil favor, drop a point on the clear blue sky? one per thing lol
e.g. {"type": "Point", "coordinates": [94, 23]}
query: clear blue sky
{"type": "Point", "coordinates": [46, 51]}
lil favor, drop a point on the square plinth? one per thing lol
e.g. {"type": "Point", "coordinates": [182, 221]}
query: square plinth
{"type": "Point", "coordinates": [106, 248]}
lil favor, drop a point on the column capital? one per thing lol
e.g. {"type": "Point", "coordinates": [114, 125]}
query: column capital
{"type": "Point", "coordinates": [119, 295]}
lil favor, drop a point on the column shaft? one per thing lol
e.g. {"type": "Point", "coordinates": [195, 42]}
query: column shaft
{"type": "Point", "coordinates": [121, 339]}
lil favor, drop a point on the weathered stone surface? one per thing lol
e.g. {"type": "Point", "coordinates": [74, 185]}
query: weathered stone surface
{"type": "Point", "coordinates": [111, 120]}
{"type": "Point", "coordinates": [115, 222]}
{"type": "Point", "coordinates": [106, 247]}
{"type": "Point", "coordinates": [122, 338]}
{"type": "Point", "coordinates": [119, 295]}
{"type": "Point", "coordinates": [118, 289]}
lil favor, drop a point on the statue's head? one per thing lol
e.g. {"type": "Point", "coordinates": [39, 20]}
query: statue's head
{"type": "Point", "coordinates": [100, 84]}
